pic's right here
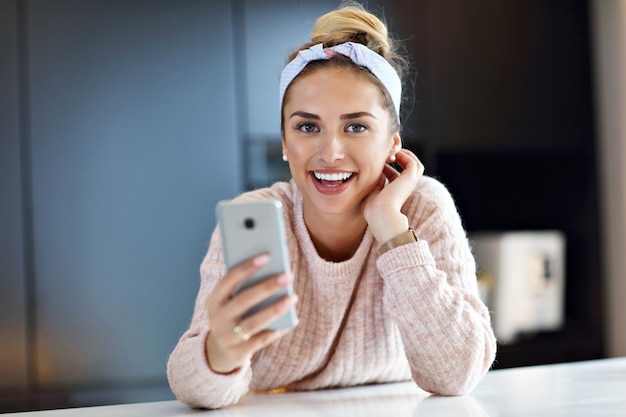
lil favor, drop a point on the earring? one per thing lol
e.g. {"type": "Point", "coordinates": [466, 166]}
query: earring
{"type": "Point", "coordinates": [392, 158]}
{"type": "Point", "coordinates": [285, 157]}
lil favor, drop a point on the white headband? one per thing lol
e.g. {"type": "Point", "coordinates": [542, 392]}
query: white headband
{"type": "Point", "coordinates": [359, 54]}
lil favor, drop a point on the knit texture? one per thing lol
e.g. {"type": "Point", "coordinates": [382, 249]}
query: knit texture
{"type": "Point", "coordinates": [417, 313]}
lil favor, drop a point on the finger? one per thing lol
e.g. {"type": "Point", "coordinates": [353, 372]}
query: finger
{"type": "Point", "coordinates": [382, 181]}
{"type": "Point", "coordinates": [225, 288]}
{"type": "Point", "coordinates": [390, 172]}
{"type": "Point", "coordinates": [260, 340]}
{"type": "Point", "coordinates": [252, 296]}
{"type": "Point", "coordinates": [267, 337]}
{"type": "Point", "coordinates": [252, 334]}
{"type": "Point", "coordinates": [408, 160]}
{"type": "Point", "coordinates": [412, 167]}
{"type": "Point", "coordinates": [261, 320]}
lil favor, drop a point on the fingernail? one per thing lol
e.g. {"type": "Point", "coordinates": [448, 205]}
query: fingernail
{"type": "Point", "coordinates": [282, 279]}
{"type": "Point", "coordinates": [260, 260]}
{"type": "Point", "coordinates": [293, 299]}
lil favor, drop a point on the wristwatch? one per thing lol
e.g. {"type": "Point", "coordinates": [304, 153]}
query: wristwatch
{"type": "Point", "coordinates": [402, 239]}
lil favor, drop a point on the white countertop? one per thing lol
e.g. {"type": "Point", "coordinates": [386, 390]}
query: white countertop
{"type": "Point", "coordinates": [590, 389]}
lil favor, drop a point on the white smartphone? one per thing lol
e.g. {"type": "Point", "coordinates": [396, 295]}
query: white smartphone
{"type": "Point", "coordinates": [250, 228]}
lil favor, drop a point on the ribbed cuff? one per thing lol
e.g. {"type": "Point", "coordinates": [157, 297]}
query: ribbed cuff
{"type": "Point", "coordinates": [403, 257]}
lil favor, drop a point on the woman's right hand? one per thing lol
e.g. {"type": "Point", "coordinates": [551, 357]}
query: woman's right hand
{"type": "Point", "coordinates": [226, 349]}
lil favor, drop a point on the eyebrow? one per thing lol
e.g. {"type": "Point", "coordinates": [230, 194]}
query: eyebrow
{"type": "Point", "coordinates": [304, 115]}
{"type": "Point", "coordinates": [348, 116]}
{"type": "Point", "coordinates": [356, 115]}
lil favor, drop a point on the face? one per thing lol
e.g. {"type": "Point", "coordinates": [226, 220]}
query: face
{"type": "Point", "coordinates": [337, 137]}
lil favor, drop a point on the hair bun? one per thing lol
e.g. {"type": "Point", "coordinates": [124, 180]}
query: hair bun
{"type": "Point", "coordinates": [352, 23]}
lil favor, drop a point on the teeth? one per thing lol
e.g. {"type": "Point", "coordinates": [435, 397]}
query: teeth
{"type": "Point", "coordinates": [336, 176]}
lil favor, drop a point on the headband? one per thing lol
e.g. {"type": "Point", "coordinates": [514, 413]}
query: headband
{"type": "Point", "coordinates": [359, 54]}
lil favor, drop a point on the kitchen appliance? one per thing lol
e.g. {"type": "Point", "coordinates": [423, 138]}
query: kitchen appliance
{"type": "Point", "coordinates": [521, 275]}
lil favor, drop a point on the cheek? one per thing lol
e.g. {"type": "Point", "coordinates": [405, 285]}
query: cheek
{"type": "Point", "coordinates": [377, 159]}
{"type": "Point", "coordinates": [297, 153]}
{"type": "Point", "coordinates": [299, 158]}
{"type": "Point", "coordinates": [379, 169]}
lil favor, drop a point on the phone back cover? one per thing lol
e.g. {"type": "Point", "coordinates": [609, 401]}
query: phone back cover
{"type": "Point", "coordinates": [241, 242]}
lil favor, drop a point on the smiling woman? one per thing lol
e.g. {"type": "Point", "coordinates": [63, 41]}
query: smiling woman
{"type": "Point", "coordinates": [351, 138]}
{"type": "Point", "coordinates": [383, 274]}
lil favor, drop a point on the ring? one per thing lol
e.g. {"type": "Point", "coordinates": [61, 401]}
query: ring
{"type": "Point", "coordinates": [239, 332]}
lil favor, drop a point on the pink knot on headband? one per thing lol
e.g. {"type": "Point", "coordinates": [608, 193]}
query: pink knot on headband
{"type": "Point", "coordinates": [359, 54]}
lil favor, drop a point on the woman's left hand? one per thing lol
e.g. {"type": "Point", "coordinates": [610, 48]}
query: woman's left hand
{"type": "Point", "coordinates": [382, 207]}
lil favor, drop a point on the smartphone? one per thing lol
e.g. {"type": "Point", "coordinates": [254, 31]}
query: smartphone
{"type": "Point", "coordinates": [250, 228]}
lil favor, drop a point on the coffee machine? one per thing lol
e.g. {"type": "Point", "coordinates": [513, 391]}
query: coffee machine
{"type": "Point", "coordinates": [521, 277]}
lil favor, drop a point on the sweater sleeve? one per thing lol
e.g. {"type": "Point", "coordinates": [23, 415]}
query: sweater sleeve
{"type": "Point", "coordinates": [430, 291]}
{"type": "Point", "coordinates": [188, 371]}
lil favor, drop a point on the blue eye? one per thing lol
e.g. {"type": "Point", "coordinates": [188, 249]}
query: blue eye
{"type": "Point", "coordinates": [307, 127]}
{"type": "Point", "coordinates": [356, 128]}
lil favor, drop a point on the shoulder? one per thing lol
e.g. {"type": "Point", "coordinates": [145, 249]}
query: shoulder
{"type": "Point", "coordinates": [431, 200]}
{"type": "Point", "coordinates": [431, 191]}
{"type": "Point", "coordinates": [281, 191]}
{"type": "Point", "coordinates": [285, 192]}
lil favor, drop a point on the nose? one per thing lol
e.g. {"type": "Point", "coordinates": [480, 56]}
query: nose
{"type": "Point", "coordinates": [331, 148]}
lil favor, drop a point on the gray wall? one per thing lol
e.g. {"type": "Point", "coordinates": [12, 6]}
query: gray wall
{"type": "Point", "coordinates": [267, 46]}
{"type": "Point", "coordinates": [272, 30]}
{"type": "Point", "coordinates": [122, 124]}
{"type": "Point", "coordinates": [127, 139]}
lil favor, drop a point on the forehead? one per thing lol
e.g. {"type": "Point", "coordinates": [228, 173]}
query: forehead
{"type": "Point", "coordinates": [337, 84]}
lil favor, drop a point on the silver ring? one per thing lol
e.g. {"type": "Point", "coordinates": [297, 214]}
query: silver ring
{"type": "Point", "coordinates": [239, 332]}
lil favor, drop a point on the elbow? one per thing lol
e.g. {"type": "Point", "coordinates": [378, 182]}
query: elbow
{"type": "Point", "coordinates": [196, 397]}
{"type": "Point", "coordinates": [449, 385]}
{"type": "Point", "coordinates": [194, 384]}
{"type": "Point", "coordinates": [448, 388]}
{"type": "Point", "coordinates": [460, 374]}
{"type": "Point", "coordinates": [181, 390]}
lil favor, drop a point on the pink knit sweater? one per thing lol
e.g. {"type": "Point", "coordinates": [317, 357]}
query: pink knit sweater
{"type": "Point", "coordinates": [417, 313]}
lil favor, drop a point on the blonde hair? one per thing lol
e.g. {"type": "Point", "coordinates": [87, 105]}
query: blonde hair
{"type": "Point", "coordinates": [352, 23]}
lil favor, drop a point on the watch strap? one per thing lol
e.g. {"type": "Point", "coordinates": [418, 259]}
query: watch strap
{"type": "Point", "coordinates": [402, 239]}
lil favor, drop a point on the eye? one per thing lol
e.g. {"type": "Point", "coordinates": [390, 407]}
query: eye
{"type": "Point", "coordinates": [307, 127]}
{"type": "Point", "coordinates": [356, 128]}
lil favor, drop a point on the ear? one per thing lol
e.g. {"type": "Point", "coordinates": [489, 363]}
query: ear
{"type": "Point", "coordinates": [396, 144]}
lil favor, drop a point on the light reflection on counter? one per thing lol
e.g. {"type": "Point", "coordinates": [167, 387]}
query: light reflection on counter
{"type": "Point", "coordinates": [397, 399]}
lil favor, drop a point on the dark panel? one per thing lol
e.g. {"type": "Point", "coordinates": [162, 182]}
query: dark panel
{"type": "Point", "coordinates": [510, 72]}
{"type": "Point", "coordinates": [13, 370]}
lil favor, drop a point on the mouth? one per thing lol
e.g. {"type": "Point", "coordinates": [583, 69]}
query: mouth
{"type": "Point", "coordinates": [332, 183]}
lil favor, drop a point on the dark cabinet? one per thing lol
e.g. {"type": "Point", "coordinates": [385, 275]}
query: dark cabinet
{"type": "Point", "coordinates": [504, 117]}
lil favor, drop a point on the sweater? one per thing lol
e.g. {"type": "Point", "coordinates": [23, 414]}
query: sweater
{"type": "Point", "coordinates": [417, 313]}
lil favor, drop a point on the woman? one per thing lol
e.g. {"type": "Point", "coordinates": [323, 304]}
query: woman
{"type": "Point", "coordinates": [384, 276]}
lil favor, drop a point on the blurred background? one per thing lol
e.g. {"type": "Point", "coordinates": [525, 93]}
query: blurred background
{"type": "Point", "coordinates": [123, 122]}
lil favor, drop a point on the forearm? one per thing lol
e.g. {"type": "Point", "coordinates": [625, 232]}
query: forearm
{"type": "Point", "coordinates": [445, 329]}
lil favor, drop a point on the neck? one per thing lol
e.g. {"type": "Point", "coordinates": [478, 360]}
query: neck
{"type": "Point", "coordinates": [336, 236]}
